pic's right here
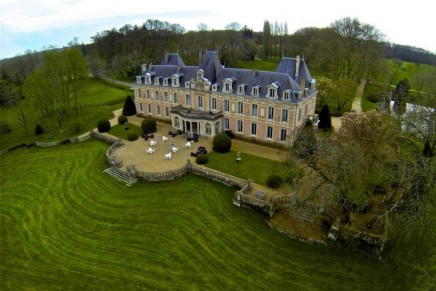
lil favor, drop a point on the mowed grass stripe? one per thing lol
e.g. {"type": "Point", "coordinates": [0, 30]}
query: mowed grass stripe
{"type": "Point", "coordinates": [70, 226]}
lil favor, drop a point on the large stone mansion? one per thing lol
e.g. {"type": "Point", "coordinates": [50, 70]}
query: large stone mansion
{"type": "Point", "coordinates": [209, 98]}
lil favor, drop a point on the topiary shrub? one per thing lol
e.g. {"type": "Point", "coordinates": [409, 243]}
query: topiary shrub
{"type": "Point", "coordinates": [132, 136]}
{"type": "Point", "coordinates": [122, 119]}
{"type": "Point", "coordinates": [201, 159]}
{"type": "Point", "coordinates": [148, 125]}
{"type": "Point", "coordinates": [38, 129]}
{"type": "Point", "coordinates": [103, 125]}
{"type": "Point", "coordinates": [325, 120]}
{"type": "Point", "coordinates": [129, 107]}
{"type": "Point", "coordinates": [222, 143]}
{"type": "Point", "coordinates": [274, 181]}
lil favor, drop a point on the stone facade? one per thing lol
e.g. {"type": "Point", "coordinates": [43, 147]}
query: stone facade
{"type": "Point", "coordinates": [209, 98]}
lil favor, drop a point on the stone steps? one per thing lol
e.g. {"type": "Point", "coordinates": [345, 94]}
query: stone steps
{"type": "Point", "coordinates": [121, 176]}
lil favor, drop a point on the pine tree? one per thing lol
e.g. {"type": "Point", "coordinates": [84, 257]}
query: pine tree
{"type": "Point", "coordinates": [325, 120]}
{"type": "Point", "coordinates": [129, 108]}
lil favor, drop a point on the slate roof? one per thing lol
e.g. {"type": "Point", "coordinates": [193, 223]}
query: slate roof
{"type": "Point", "coordinates": [283, 77]}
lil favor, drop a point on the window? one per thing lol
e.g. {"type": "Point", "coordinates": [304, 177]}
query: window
{"type": "Point", "coordinates": [176, 122]}
{"type": "Point", "coordinates": [156, 81]}
{"type": "Point", "coordinates": [149, 108]}
{"type": "Point", "coordinates": [240, 107]}
{"type": "Point", "coordinates": [156, 96]}
{"type": "Point", "coordinates": [254, 110]}
{"type": "Point", "coordinates": [286, 95]}
{"type": "Point", "coordinates": [226, 123]}
{"type": "Point", "coordinates": [200, 74]}
{"type": "Point", "coordinates": [253, 129]}
{"type": "Point", "coordinates": [272, 93]}
{"type": "Point", "coordinates": [226, 106]}
{"type": "Point", "coordinates": [227, 87]}
{"type": "Point", "coordinates": [284, 115]}
{"type": "Point", "coordinates": [215, 87]}
{"type": "Point", "coordinates": [208, 129]}
{"type": "Point", "coordinates": [140, 107]}
{"type": "Point", "coordinates": [255, 91]}
{"type": "Point", "coordinates": [158, 110]}
{"type": "Point", "coordinates": [269, 132]}
{"type": "Point", "coordinates": [138, 80]}
{"type": "Point", "coordinates": [166, 96]}
{"type": "Point", "coordinates": [188, 100]}
{"type": "Point", "coordinates": [167, 112]}
{"type": "Point", "coordinates": [241, 89]}
{"type": "Point", "coordinates": [270, 113]}
{"type": "Point", "coordinates": [217, 127]}
{"type": "Point", "coordinates": [283, 134]}
{"type": "Point", "coordinates": [148, 79]}
{"type": "Point", "coordinates": [272, 90]}
{"type": "Point", "coordinates": [175, 81]}
{"type": "Point", "coordinates": [165, 82]}
{"type": "Point", "coordinates": [200, 102]}
{"type": "Point", "coordinates": [239, 126]}
{"type": "Point", "coordinates": [213, 103]}
{"type": "Point", "coordinates": [187, 84]}
{"type": "Point", "coordinates": [148, 94]}
{"type": "Point", "coordinates": [175, 97]}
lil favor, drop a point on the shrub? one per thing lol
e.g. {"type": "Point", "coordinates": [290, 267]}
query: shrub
{"type": "Point", "coordinates": [148, 125]}
{"type": "Point", "coordinates": [201, 159]}
{"type": "Point", "coordinates": [222, 143]}
{"type": "Point", "coordinates": [229, 133]}
{"type": "Point", "coordinates": [129, 107]}
{"type": "Point", "coordinates": [4, 128]}
{"type": "Point", "coordinates": [103, 125]}
{"type": "Point", "coordinates": [132, 136]}
{"type": "Point", "coordinates": [122, 119]}
{"type": "Point", "coordinates": [325, 120]}
{"type": "Point", "coordinates": [38, 129]}
{"type": "Point", "coordinates": [274, 181]}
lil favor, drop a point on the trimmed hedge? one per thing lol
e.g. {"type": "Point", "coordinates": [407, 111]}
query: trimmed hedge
{"type": "Point", "coordinates": [274, 181]}
{"type": "Point", "coordinates": [222, 143]}
{"type": "Point", "coordinates": [148, 125]}
{"type": "Point", "coordinates": [129, 107]}
{"type": "Point", "coordinates": [122, 119]}
{"type": "Point", "coordinates": [132, 136]}
{"type": "Point", "coordinates": [202, 159]}
{"type": "Point", "coordinates": [103, 125]}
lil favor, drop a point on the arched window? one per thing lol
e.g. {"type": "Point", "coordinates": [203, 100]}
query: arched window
{"type": "Point", "coordinates": [208, 129]}
{"type": "Point", "coordinates": [217, 127]}
{"type": "Point", "coordinates": [176, 122]}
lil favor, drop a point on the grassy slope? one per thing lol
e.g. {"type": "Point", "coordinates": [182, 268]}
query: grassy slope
{"type": "Point", "coordinates": [66, 225]}
{"type": "Point", "coordinates": [101, 99]}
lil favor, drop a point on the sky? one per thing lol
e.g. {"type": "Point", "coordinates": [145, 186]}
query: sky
{"type": "Point", "coordinates": [38, 24]}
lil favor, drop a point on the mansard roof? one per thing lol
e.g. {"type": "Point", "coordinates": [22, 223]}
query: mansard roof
{"type": "Point", "coordinates": [284, 76]}
{"type": "Point", "coordinates": [172, 59]}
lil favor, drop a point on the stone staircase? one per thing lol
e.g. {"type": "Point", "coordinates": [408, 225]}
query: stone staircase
{"type": "Point", "coordinates": [121, 176]}
{"type": "Point", "coordinates": [304, 211]}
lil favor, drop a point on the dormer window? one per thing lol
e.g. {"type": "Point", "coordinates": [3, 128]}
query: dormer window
{"type": "Point", "coordinates": [286, 95]}
{"type": "Point", "coordinates": [187, 84]}
{"type": "Point", "coordinates": [165, 81]}
{"type": "Point", "coordinates": [255, 91]}
{"type": "Point", "coordinates": [272, 90]}
{"type": "Point", "coordinates": [200, 74]}
{"type": "Point", "coordinates": [215, 87]}
{"type": "Point", "coordinates": [176, 79]}
{"type": "Point", "coordinates": [241, 89]}
{"type": "Point", "coordinates": [228, 85]}
{"type": "Point", "coordinates": [138, 80]}
{"type": "Point", "coordinates": [148, 78]}
{"type": "Point", "coordinates": [157, 81]}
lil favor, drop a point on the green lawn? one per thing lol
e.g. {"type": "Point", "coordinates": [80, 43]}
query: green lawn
{"type": "Point", "coordinates": [97, 102]}
{"type": "Point", "coordinates": [120, 130]}
{"type": "Point", "coordinates": [251, 167]}
{"type": "Point", "coordinates": [65, 225]}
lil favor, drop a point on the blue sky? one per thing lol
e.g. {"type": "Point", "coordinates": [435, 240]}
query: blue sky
{"type": "Point", "coordinates": [37, 24]}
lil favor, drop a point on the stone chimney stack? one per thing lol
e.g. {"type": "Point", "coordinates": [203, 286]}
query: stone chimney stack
{"type": "Point", "coordinates": [143, 68]}
{"type": "Point", "coordinates": [297, 65]}
{"type": "Point", "coordinates": [254, 73]}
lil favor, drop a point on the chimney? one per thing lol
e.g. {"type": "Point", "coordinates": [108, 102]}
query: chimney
{"type": "Point", "coordinates": [297, 65]}
{"type": "Point", "coordinates": [143, 68]}
{"type": "Point", "coordinates": [254, 73]}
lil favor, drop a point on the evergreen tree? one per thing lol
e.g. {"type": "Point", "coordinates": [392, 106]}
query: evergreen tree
{"type": "Point", "coordinates": [305, 144]}
{"type": "Point", "coordinates": [129, 108]}
{"type": "Point", "coordinates": [325, 120]}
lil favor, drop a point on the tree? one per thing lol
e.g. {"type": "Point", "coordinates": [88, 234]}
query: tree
{"type": "Point", "coordinates": [76, 69]}
{"type": "Point", "coordinates": [222, 143]}
{"type": "Point", "coordinates": [325, 120]}
{"type": "Point", "coordinates": [305, 144]}
{"type": "Point", "coordinates": [148, 125]}
{"type": "Point", "coordinates": [400, 95]}
{"type": "Point", "coordinates": [267, 39]}
{"type": "Point", "coordinates": [233, 26]}
{"type": "Point", "coordinates": [129, 107]}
